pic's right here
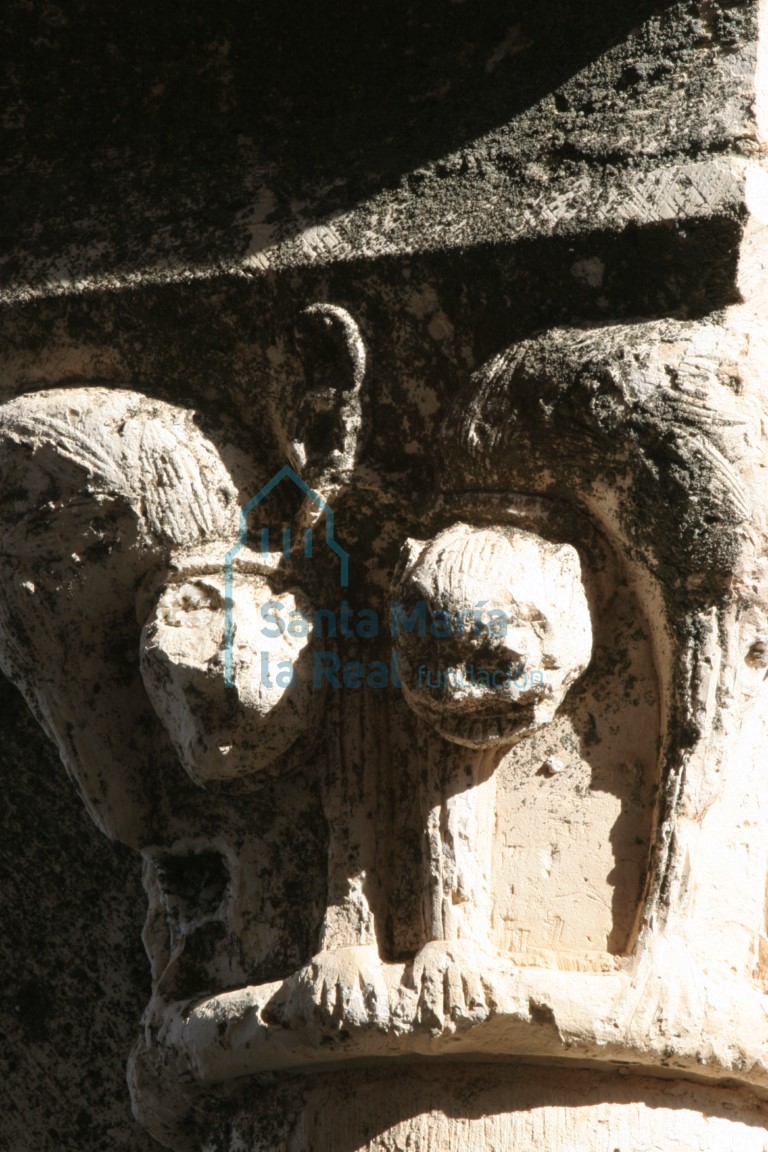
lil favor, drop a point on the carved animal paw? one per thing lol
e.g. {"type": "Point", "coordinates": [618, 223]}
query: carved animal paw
{"type": "Point", "coordinates": [451, 996]}
{"type": "Point", "coordinates": [337, 992]}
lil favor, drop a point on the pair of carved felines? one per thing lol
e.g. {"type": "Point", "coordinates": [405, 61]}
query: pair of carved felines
{"type": "Point", "coordinates": [491, 627]}
{"type": "Point", "coordinates": [119, 513]}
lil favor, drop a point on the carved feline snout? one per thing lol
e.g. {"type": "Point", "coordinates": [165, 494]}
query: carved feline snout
{"type": "Point", "coordinates": [506, 631]}
{"type": "Point", "coordinates": [223, 731]}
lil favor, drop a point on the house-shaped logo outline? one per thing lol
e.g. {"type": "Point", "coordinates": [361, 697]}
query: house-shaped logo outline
{"type": "Point", "coordinates": [285, 473]}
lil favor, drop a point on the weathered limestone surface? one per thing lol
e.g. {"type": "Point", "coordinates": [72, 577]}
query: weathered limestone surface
{"type": "Point", "coordinates": [382, 477]}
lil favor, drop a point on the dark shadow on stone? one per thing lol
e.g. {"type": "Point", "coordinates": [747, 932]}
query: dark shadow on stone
{"type": "Point", "coordinates": [140, 131]}
{"type": "Point", "coordinates": [208, 343]}
{"type": "Point", "coordinates": [75, 977]}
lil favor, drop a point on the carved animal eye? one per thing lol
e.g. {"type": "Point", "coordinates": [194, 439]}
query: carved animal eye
{"type": "Point", "coordinates": [192, 597]}
{"type": "Point", "coordinates": [195, 596]}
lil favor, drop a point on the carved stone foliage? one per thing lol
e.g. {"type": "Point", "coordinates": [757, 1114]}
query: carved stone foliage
{"type": "Point", "coordinates": [414, 775]}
